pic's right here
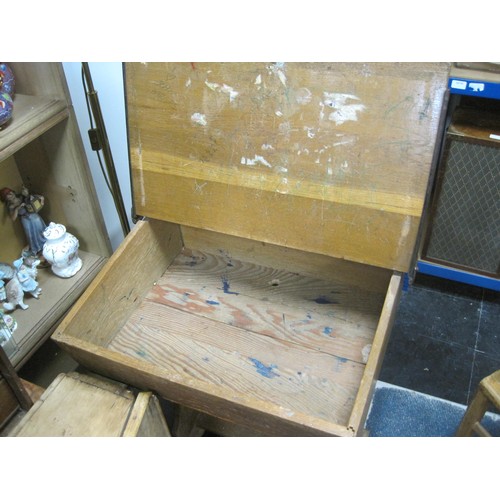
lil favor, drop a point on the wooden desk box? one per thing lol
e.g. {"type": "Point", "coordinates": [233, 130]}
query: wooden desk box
{"type": "Point", "coordinates": [282, 204]}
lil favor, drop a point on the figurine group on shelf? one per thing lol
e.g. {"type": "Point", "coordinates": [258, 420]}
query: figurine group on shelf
{"type": "Point", "coordinates": [47, 245]}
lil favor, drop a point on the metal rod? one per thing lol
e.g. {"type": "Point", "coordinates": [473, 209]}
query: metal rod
{"type": "Point", "coordinates": [106, 150]}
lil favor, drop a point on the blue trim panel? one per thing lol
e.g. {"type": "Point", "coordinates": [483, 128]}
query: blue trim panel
{"type": "Point", "coordinates": [458, 275]}
{"type": "Point", "coordinates": [475, 88]}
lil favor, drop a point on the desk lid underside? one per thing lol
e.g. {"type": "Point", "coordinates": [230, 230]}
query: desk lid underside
{"type": "Point", "coordinates": [330, 158]}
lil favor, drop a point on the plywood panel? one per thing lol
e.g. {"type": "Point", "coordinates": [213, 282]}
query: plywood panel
{"type": "Point", "coordinates": [329, 158]}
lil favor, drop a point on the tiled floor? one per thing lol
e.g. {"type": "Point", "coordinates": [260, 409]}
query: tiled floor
{"type": "Point", "coordinates": [445, 339]}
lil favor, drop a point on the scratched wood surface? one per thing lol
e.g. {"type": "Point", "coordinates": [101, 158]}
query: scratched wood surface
{"type": "Point", "coordinates": [256, 333]}
{"type": "Point", "coordinates": [312, 312]}
{"type": "Point", "coordinates": [331, 158]}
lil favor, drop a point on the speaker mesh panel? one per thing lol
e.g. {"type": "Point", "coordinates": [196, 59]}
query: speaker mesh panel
{"type": "Point", "coordinates": [465, 229]}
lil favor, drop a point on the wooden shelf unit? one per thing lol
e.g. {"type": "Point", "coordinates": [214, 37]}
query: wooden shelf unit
{"type": "Point", "coordinates": [41, 147]}
{"type": "Point", "coordinates": [32, 117]}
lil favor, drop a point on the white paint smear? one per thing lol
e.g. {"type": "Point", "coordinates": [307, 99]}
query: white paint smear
{"type": "Point", "coordinates": [225, 89]}
{"type": "Point", "coordinates": [230, 92]}
{"type": "Point", "coordinates": [343, 111]}
{"type": "Point", "coordinates": [310, 132]}
{"type": "Point", "coordinates": [199, 119]}
{"type": "Point", "coordinates": [277, 69]}
{"type": "Point", "coordinates": [257, 159]}
{"type": "Point", "coordinates": [348, 140]}
{"type": "Point", "coordinates": [303, 96]}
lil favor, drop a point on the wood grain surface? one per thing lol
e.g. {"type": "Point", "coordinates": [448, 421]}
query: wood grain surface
{"type": "Point", "coordinates": [256, 334]}
{"type": "Point", "coordinates": [332, 158]}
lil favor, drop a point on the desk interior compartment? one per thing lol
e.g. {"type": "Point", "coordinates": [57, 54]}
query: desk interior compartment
{"type": "Point", "coordinates": [253, 333]}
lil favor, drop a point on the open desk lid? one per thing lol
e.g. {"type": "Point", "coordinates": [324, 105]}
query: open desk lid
{"type": "Point", "coordinates": [332, 158]}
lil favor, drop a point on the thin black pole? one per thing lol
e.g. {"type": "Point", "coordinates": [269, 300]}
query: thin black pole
{"type": "Point", "coordinates": [106, 150]}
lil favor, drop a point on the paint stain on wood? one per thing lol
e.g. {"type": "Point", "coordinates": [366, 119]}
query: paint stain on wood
{"type": "Point", "coordinates": [226, 286]}
{"type": "Point", "coordinates": [324, 300]}
{"type": "Point", "coordinates": [327, 330]}
{"type": "Point", "coordinates": [262, 369]}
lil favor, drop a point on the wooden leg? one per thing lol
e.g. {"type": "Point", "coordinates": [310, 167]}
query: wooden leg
{"type": "Point", "coordinates": [9, 374]}
{"type": "Point", "coordinates": [474, 413]}
{"type": "Point", "coordinates": [185, 423]}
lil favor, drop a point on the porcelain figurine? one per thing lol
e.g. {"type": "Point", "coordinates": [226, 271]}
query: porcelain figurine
{"type": "Point", "coordinates": [26, 207]}
{"type": "Point", "coordinates": [23, 282]}
{"type": "Point", "coordinates": [61, 251]}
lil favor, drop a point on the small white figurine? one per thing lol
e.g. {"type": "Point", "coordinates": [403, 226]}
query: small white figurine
{"type": "Point", "coordinates": [22, 282]}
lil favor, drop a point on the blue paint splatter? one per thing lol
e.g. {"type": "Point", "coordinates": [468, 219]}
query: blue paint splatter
{"type": "Point", "coordinates": [212, 302]}
{"type": "Point", "coordinates": [339, 362]}
{"type": "Point", "coordinates": [141, 353]}
{"type": "Point", "coordinates": [324, 300]}
{"type": "Point", "coordinates": [262, 369]}
{"type": "Point", "coordinates": [226, 286]}
{"type": "Point", "coordinates": [327, 330]}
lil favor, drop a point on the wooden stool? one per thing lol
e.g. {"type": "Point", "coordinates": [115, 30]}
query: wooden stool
{"type": "Point", "coordinates": [78, 405]}
{"type": "Point", "coordinates": [487, 393]}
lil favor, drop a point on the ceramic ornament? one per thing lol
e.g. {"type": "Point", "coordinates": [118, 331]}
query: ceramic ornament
{"type": "Point", "coordinates": [6, 107]}
{"type": "Point", "coordinates": [23, 281]}
{"type": "Point", "coordinates": [61, 251]}
{"type": "Point", "coordinates": [7, 80]}
{"type": "Point", "coordinates": [7, 86]}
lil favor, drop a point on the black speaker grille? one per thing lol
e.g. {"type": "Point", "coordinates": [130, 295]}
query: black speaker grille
{"type": "Point", "coordinates": [465, 228]}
